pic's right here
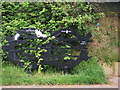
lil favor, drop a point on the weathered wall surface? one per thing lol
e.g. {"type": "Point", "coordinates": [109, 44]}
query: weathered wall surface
{"type": "Point", "coordinates": [109, 41]}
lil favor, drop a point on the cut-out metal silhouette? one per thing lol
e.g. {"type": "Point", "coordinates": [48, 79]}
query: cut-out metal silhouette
{"type": "Point", "coordinates": [60, 50]}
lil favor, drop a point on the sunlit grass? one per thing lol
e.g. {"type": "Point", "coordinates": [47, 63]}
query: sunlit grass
{"type": "Point", "coordinates": [86, 73]}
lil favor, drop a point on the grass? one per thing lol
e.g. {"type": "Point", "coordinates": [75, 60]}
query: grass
{"type": "Point", "coordinates": [88, 72]}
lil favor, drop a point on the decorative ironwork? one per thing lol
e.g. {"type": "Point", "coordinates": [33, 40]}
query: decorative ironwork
{"type": "Point", "coordinates": [60, 51]}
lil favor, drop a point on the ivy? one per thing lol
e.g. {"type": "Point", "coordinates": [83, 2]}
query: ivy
{"type": "Point", "coordinates": [56, 15]}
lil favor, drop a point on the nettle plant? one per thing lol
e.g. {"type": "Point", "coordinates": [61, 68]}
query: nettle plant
{"type": "Point", "coordinates": [56, 15]}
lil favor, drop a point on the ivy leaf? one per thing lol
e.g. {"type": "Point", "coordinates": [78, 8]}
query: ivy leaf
{"type": "Point", "coordinates": [67, 58]}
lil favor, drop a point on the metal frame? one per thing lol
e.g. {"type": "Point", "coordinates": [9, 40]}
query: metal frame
{"type": "Point", "coordinates": [60, 39]}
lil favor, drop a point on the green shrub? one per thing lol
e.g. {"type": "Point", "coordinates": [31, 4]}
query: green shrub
{"type": "Point", "coordinates": [56, 15]}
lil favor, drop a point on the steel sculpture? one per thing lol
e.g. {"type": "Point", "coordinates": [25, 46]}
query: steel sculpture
{"type": "Point", "coordinates": [66, 41]}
